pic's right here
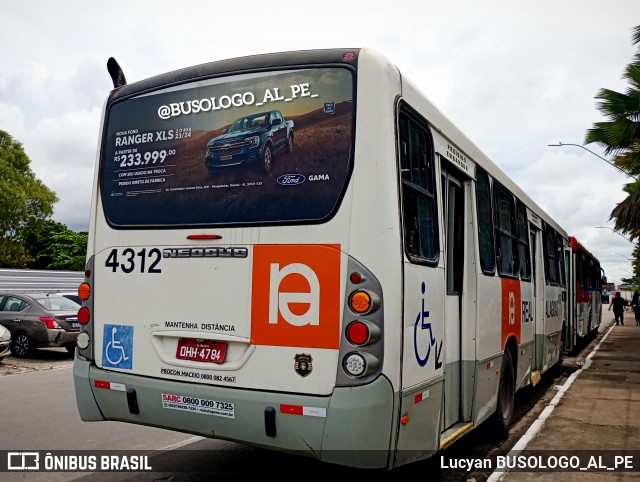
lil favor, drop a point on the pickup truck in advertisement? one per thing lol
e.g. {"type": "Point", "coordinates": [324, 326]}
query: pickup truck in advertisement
{"type": "Point", "coordinates": [252, 139]}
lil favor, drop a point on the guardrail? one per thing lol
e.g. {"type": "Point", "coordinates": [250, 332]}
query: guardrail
{"type": "Point", "coordinates": [31, 280]}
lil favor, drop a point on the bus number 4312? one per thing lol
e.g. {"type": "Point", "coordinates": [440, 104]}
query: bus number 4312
{"type": "Point", "coordinates": [129, 259]}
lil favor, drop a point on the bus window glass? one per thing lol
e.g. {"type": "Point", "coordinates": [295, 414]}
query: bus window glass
{"type": "Point", "coordinates": [550, 255]}
{"type": "Point", "coordinates": [258, 148]}
{"type": "Point", "coordinates": [524, 255]}
{"type": "Point", "coordinates": [485, 222]}
{"type": "Point", "coordinates": [560, 259]}
{"type": "Point", "coordinates": [505, 232]}
{"type": "Point", "coordinates": [584, 271]}
{"type": "Point", "coordinates": [418, 196]}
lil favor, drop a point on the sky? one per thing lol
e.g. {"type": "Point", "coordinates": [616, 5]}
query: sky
{"type": "Point", "coordinates": [514, 76]}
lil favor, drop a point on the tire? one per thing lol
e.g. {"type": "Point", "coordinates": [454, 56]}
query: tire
{"type": "Point", "coordinates": [290, 143]}
{"type": "Point", "coordinates": [71, 349]}
{"type": "Point", "coordinates": [506, 396]}
{"type": "Point", "coordinates": [267, 159]}
{"type": "Point", "coordinates": [21, 345]}
{"type": "Point", "coordinates": [558, 367]}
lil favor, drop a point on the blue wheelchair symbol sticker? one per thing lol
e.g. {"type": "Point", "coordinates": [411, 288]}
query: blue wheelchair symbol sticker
{"type": "Point", "coordinates": [419, 329]}
{"type": "Point", "coordinates": [117, 346]}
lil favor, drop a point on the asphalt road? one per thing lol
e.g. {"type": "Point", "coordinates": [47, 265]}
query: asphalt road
{"type": "Point", "coordinates": [38, 412]}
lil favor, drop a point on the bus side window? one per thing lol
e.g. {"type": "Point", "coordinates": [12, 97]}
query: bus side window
{"type": "Point", "coordinates": [485, 222]}
{"type": "Point", "coordinates": [524, 253]}
{"type": "Point", "coordinates": [505, 219]}
{"type": "Point", "coordinates": [418, 193]}
{"type": "Point", "coordinates": [552, 263]}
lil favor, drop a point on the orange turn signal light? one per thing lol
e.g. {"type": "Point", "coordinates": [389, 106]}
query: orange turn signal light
{"type": "Point", "coordinates": [84, 291]}
{"type": "Point", "coordinates": [360, 302]}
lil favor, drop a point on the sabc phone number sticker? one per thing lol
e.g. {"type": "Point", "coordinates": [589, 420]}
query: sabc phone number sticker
{"type": "Point", "coordinates": [198, 405]}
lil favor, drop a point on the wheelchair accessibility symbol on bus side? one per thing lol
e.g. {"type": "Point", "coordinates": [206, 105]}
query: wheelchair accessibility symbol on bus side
{"type": "Point", "coordinates": [117, 346]}
{"type": "Point", "coordinates": [431, 341]}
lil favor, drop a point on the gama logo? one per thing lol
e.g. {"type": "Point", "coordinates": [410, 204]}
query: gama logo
{"type": "Point", "coordinates": [295, 295]}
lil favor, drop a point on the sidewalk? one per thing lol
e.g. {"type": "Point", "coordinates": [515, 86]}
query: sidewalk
{"type": "Point", "coordinates": [600, 411]}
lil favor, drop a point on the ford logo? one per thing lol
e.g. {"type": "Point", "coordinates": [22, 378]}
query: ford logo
{"type": "Point", "coordinates": [290, 179]}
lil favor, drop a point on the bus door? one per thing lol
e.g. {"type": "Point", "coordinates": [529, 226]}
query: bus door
{"type": "Point", "coordinates": [537, 277]}
{"type": "Point", "coordinates": [568, 334]}
{"type": "Point", "coordinates": [454, 209]}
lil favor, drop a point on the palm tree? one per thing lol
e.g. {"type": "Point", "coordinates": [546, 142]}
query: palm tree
{"type": "Point", "coordinates": [620, 136]}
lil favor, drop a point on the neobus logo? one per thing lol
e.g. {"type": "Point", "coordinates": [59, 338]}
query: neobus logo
{"type": "Point", "coordinates": [295, 296]}
{"type": "Point", "coordinates": [233, 252]}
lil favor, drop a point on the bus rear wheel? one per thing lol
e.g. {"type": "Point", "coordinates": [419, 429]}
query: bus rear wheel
{"type": "Point", "coordinates": [506, 396]}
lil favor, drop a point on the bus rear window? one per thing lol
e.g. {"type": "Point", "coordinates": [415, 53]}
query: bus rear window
{"type": "Point", "coordinates": [258, 148]}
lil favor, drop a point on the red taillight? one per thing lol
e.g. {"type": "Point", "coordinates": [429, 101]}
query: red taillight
{"type": "Point", "coordinates": [358, 333]}
{"type": "Point", "coordinates": [51, 323]}
{"type": "Point", "coordinates": [83, 315]}
{"type": "Point", "coordinates": [355, 277]}
{"type": "Point", "coordinates": [204, 236]}
{"type": "Point", "coordinates": [348, 57]}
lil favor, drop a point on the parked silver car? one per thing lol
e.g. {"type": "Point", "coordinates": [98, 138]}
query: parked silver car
{"type": "Point", "coordinates": [72, 295]}
{"type": "Point", "coordinates": [38, 320]}
{"type": "Point", "coordinates": [5, 342]}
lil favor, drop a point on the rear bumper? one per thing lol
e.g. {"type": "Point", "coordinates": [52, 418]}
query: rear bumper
{"type": "Point", "coordinates": [335, 429]}
{"type": "Point", "coordinates": [5, 348]}
{"type": "Point", "coordinates": [61, 337]}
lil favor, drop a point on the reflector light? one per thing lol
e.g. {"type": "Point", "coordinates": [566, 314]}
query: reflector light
{"type": "Point", "coordinates": [355, 278]}
{"type": "Point", "coordinates": [348, 57]}
{"type": "Point", "coordinates": [204, 236]}
{"type": "Point", "coordinates": [84, 291]}
{"type": "Point", "coordinates": [360, 302]}
{"type": "Point", "coordinates": [121, 387]}
{"type": "Point", "coordinates": [303, 410]}
{"type": "Point", "coordinates": [358, 333]}
{"type": "Point", "coordinates": [51, 323]}
{"type": "Point", "coordinates": [87, 273]}
{"type": "Point", "coordinates": [84, 315]}
{"type": "Point", "coordinates": [83, 340]}
{"type": "Point", "coordinates": [355, 364]}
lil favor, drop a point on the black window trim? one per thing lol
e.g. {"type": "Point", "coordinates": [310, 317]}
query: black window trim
{"type": "Point", "coordinates": [523, 241]}
{"type": "Point", "coordinates": [498, 187]}
{"type": "Point", "coordinates": [483, 172]}
{"type": "Point", "coordinates": [403, 108]}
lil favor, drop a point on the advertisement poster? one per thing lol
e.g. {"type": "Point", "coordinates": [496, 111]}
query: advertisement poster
{"type": "Point", "coordinates": [245, 149]}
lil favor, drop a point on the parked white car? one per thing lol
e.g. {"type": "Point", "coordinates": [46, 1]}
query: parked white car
{"type": "Point", "coordinates": [5, 342]}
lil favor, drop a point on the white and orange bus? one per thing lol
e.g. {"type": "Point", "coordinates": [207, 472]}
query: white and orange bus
{"type": "Point", "coordinates": [584, 290]}
{"type": "Point", "coordinates": [364, 292]}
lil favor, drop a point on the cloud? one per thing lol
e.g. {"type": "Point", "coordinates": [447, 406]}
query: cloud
{"type": "Point", "coordinates": [513, 76]}
{"type": "Point", "coordinates": [62, 153]}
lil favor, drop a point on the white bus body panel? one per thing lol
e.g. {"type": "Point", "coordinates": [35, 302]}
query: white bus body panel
{"type": "Point", "coordinates": [159, 304]}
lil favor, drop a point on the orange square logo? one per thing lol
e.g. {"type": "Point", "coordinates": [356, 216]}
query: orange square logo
{"type": "Point", "coordinates": [295, 295]}
{"type": "Point", "coordinates": [511, 309]}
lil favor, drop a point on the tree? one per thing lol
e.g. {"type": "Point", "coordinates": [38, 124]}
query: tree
{"type": "Point", "coordinates": [620, 136]}
{"type": "Point", "coordinates": [23, 198]}
{"type": "Point", "coordinates": [68, 250]}
{"type": "Point", "coordinates": [51, 245]}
